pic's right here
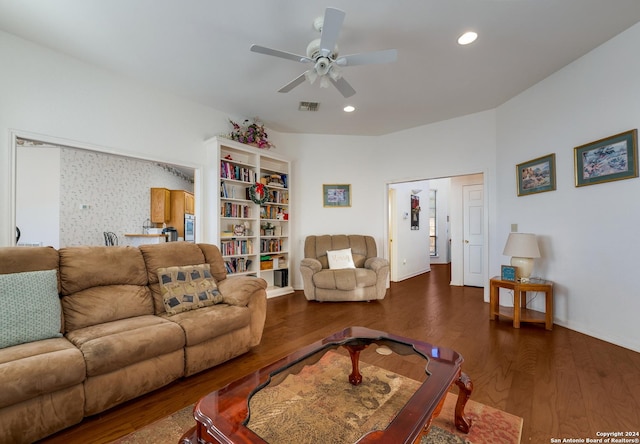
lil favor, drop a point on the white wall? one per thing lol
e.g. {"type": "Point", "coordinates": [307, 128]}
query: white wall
{"type": "Point", "coordinates": [38, 191]}
{"type": "Point", "coordinates": [412, 246]}
{"type": "Point", "coordinates": [588, 235]}
{"type": "Point", "coordinates": [454, 147]}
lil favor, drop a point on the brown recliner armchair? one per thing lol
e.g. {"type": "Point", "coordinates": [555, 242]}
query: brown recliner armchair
{"type": "Point", "coordinates": [366, 282]}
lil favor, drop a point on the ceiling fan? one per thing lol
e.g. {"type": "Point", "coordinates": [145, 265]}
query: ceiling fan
{"type": "Point", "coordinates": [323, 54]}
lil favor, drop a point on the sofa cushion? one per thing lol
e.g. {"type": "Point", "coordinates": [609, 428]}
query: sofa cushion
{"type": "Point", "coordinates": [213, 257]}
{"type": "Point", "coordinates": [115, 345]}
{"type": "Point", "coordinates": [168, 254]}
{"type": "Point", "coordinates": [19, 260]}
{"type": "Point", "coordinates": [108, 303]}
{"type": "Point", "coordinates": [187, 288]}
{"type": "Point", "coordinates": [211, 322]}
{"type": "Point", "coordinates": [362, 247]}
{"type": "Point", "coordinates": [86, 267]}
{"type": "Point", "coordinates": [38, 368]}
{"type": "Point", "coordinates": [339, 259]}
{"type": "Point", "coordinates": [346, 279]}
{"type": "Point", "coordinates": [29, 307]}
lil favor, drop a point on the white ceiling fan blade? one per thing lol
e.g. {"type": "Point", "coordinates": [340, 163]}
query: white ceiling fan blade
{"type": "Point", "coordinates": [278, 53]}
{"type": "Point", "coordinates": [331, 26]}
{"type": "Point", "coordinates": [292, 84]}
{"type": "Point", "coordinates": [366, 58]}
{"type": "Point", "coordinates": [343, 86]}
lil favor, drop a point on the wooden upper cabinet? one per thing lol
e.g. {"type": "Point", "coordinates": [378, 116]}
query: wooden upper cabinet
{"type": "Point", "coordinates": [160, 205]}
{"type": "Point", "coordinates": [189, 203]}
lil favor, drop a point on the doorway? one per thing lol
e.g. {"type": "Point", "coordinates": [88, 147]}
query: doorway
{"type": "Point", "coordinates": [455, 220]}
{"type": "Point", "coordinates": [83, 192]}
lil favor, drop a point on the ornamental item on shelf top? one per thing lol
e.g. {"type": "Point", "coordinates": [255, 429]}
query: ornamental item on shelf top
{"type": "Point", "coordinates": [250, 133]}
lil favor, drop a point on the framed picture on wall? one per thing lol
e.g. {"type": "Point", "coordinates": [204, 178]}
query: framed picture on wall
{"type": "Point", "coordinates": [537, 175]}
{"type": "Point", "coordinates": [606, 160]}
{"type": "Point", "coordinates": [336, 195]}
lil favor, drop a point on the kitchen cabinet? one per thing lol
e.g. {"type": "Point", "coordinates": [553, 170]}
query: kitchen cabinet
{"type": "Point", "coordinates": [182, 202]}
{"type": "Point", "coordinates": [160, 205]}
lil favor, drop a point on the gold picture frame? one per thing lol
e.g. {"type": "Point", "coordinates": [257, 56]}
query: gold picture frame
{"type": "Point", "coordinates": [336, 195]}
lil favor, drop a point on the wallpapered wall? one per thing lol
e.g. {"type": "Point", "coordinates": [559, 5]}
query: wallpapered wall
{"type": "Point", "coordinates": [102, 192]}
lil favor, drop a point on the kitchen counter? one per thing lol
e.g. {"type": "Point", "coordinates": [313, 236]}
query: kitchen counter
{"type": "Point", "coordinates": [138, 239]}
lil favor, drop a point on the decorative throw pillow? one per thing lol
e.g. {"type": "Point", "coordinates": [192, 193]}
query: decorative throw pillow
{"type": "Point", "coordinates": [339, 259]}
{"type": "Point", "coordinates": [29, 307]}
{"type": "Point", "coordinates": [187, 288]}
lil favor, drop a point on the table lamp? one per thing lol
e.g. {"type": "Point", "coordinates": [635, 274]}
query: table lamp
{"type": "Point", "coordinates": [523, 248]}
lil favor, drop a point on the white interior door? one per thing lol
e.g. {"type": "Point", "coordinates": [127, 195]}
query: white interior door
{"type": "Point", "coordinates": [473, 248]}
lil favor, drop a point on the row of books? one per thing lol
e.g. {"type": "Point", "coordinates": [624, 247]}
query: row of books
{"type": "Point", "coordinates": [237, 172]}
{"type": "Point", "coordinates": [235, 247]}
{"type": "Point", "coordinates": [237, 265]}
{"type": "Point", "coordinates": [228, 209]}
{"type": "Point", "coordinates": [270, 245]}
{"type": "Point", "coordinates": [273, 212]}
{"type": "Point", "coordinates": [278, 196]}
{"type": "Point", "coordinates": [275, 180]}
{"type": "Point", "coordinates": [281, 277]}
{"type": "Point", "coordinates": [233, 192]}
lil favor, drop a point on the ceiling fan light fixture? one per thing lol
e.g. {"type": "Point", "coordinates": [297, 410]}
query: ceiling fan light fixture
{"type": "Point", "coordinates": [311, 76]}
{"type": "Point", "coordinates": [322, 66]}
{"type": "Point", "coordinates": [334, 73]}
{"type": "Point", "coordinates": [324, 82]}
{"type": "Point", "coordinates": [467, 38]}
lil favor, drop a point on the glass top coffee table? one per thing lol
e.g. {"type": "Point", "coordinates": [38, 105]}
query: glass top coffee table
{"type": "Point", "coordinates": [223, 416]}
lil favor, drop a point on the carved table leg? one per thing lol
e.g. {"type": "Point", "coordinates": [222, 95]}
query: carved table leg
{"type": "Point", "coordinates": [465, 386]}
{"type": "Point", "coordinates": [355, 378]}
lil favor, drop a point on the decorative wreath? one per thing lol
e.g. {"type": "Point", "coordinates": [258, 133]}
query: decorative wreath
{"type": "Point", "coordinates": [258, 193]}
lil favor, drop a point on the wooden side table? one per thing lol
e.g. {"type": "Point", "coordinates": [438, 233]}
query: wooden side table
{"type": "Point", "coordinates": [520, 313]}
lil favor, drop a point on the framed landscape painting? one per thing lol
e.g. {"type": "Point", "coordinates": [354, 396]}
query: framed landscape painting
{"type": "Point", "coordinates": [537, 175]}
{"type": "Point", "coordinates": [336, 195]}
{"type": "Point", "coordinates": [605, 160]}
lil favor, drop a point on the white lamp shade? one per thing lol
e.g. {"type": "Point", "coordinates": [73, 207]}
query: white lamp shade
{"type": "Point", "coordinates": [522, 247]}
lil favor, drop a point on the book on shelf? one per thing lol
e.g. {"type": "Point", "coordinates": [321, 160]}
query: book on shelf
{"type": "Point", "coordinates": [281, 277]}
{"type": "Point", "coordinates": [237, 265]}
{"type": "Point", "coordinates": [236, 172]}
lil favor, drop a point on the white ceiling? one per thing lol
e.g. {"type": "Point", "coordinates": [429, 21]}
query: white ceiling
{"type": "Point", "coordinates": [199, 49]}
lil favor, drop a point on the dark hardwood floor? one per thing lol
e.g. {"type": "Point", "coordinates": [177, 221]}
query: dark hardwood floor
{"type": "Point", "coordinates": [564, 384]}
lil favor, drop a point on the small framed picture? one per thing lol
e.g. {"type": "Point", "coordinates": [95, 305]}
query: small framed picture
{"type": "Point", "coordinates": [605, 160]}
{"type": "Point", "coordinates": [508, 273]}
{"type": "Point", "coordinates": [537, 175]}
{"type": "Point", "coordinates": [336, 195]}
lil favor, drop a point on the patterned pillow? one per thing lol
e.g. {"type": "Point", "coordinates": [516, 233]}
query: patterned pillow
{"type": "Point", "coordinates": [187, 288]}
{"type": "Point", "coordinates": [29, 307]}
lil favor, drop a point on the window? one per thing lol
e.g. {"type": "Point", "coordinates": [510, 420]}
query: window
{"type": "Point", "coordinates": [433, 226]}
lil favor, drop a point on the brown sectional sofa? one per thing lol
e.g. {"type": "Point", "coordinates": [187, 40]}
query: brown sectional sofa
{"type": "Point", "coordinates": [118, 342]}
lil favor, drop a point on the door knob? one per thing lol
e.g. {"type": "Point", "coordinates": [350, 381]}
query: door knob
{"type": "Point", "coordinates": [466, 241]}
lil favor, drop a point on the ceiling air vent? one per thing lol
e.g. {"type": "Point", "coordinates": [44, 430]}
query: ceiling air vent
{"type": "Point", "coordinates": [308, 106]}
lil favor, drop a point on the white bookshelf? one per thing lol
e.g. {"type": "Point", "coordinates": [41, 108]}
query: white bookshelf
{"type": "Point", "coordinates": [254, 239]}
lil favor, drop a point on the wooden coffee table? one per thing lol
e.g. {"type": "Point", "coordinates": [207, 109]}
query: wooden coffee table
{"type": "Point", "coordinates": [222, 416]}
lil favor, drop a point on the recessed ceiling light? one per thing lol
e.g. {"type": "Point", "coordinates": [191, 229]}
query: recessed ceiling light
{"type": "Point", "coordinates": [349, 109]}
{"type": "Point", "coordinates": [467, 37]}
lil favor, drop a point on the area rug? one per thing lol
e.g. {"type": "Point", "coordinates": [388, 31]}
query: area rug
{"type": "Point", "coordinates": [319, 405]}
